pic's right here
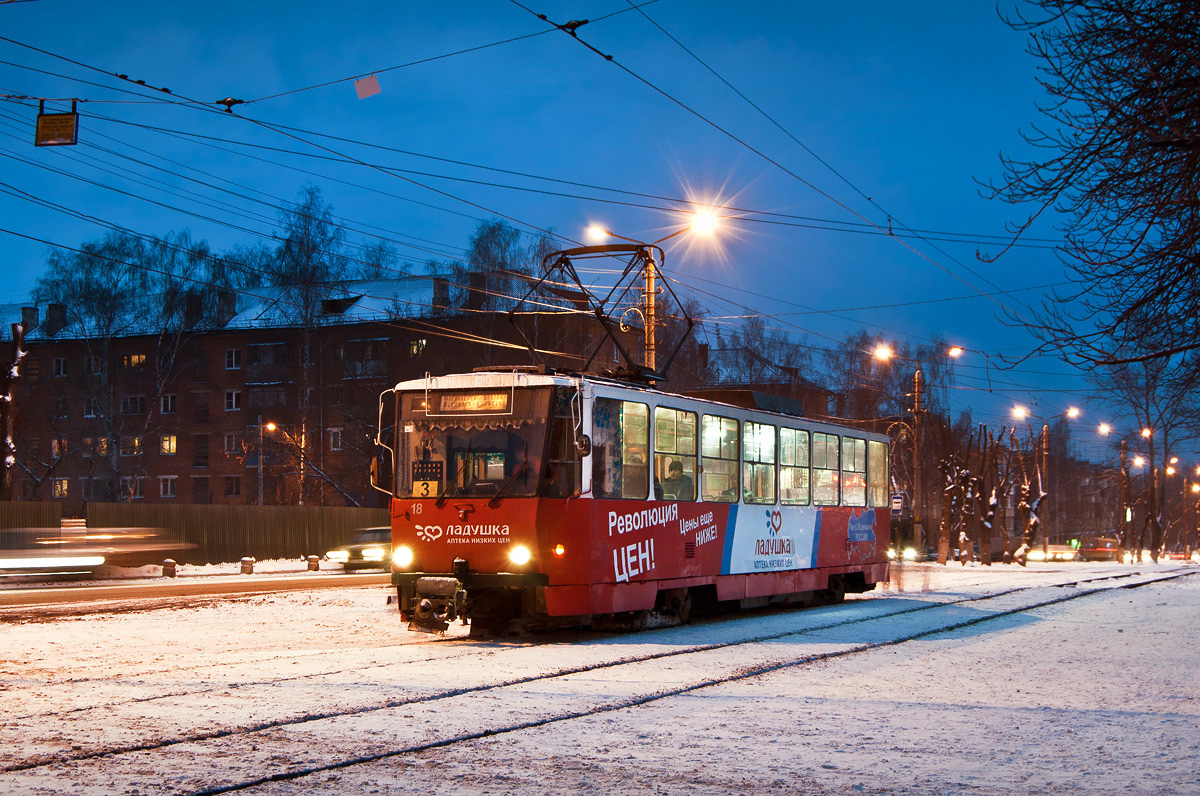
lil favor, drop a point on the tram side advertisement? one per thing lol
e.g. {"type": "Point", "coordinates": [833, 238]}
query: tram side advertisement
{"type": "Point", "coordinates": [675, 540]}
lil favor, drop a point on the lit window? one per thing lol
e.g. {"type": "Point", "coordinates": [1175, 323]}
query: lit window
{"type": "Point", "coordinates": [168, 445]}
{"type": "Point", "coordinates": [416, 347]}
{"type": "Point", "coordinates": [130, 446]}
{"type": "Point", "coordinates": [233, 400]}
{"type": "Point", "coordinates": [60, 487]}
{"type": "Point", "coordinates": [133, 361]}
{"type": "Point", "coordinates": [59, 447]}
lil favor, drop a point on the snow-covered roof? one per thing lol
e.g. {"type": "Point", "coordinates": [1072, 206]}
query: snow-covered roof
{"type": "Point", "coordinates": [359, 301]}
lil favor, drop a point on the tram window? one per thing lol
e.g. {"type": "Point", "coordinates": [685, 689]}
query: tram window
{"type": "Point", "coordinates": [825, 469]}
{"type": "Point", "coordinates": [620, 444]}
{"type": "Point", "coordinates": [793, 467]}
{"type": "Point", "coordinates": [674, 454]}
{"type": "Point", "coordinates": [758, 462]}
{"type": "Point", "coordinates": [563, 467]}
{"type": "Point", "coordinates": [719, 459]}
{"type": "Point", "coordinates": [877, 473]}
{"type": "Point", "coordinates": [472, 452]}
{"type": "Point", "coordinates": [854, 472]}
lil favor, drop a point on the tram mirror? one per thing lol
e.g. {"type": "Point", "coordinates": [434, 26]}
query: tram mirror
{"type": "Point", "coordinates": [375, 471]}
{"type": "Point", "coordinates": [583, 445]}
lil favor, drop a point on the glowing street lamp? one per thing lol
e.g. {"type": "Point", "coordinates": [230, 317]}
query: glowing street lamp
{"type": "Point", "coordinates": [703, 221]}
{"type": "Point", "coordinates": [261, 427]}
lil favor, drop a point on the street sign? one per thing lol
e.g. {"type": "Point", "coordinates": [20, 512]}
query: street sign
{"type": "Point", "coordinates": [897, 505]}
{"type": "Point", "coordinates": [56, 129]}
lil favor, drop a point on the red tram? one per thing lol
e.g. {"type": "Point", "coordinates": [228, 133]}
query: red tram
{"type": "Point", "coordinates": [532, 499]}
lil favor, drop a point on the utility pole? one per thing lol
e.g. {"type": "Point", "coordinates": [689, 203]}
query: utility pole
{"type": "Point", "coordinates": [1123, 520]}
{"type": "Point", "coordinates": [650, 303]}
{"type": "Point", "coordinates": [9, 409]}
{"type": "Point", "coordinates": [1045, 507]}
{"type": "Point", "coordinates": [918, 487]}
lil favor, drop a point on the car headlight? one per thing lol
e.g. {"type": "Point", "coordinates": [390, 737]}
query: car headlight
{"type": "Point", "coordinates": [520, 555]}
{"type": "Point", "coordinates": [1037, 555]}
{"type": "Point", "coordinates": [910, 554]}
{"type": "Point", "coordinates": [891, 553]}
{"type": "Point", "coordinates": [403, 556]}
{"type": "Point", "coordinates": [338, 555]}
{"type": "Point", "coordinates": [374, 554]}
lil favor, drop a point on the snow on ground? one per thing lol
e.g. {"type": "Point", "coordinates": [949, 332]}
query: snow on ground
{"type": "Point", "coordinates": [1098, 695]}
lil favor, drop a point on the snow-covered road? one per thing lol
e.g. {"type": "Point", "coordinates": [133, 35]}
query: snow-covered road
{"type": "Point", "coordinates": [1095, 691]}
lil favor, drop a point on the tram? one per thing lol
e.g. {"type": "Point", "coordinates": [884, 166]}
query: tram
{"type": "Point", "coordinates": [522, 498]}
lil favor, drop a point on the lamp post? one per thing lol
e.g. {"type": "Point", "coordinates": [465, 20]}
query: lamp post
{"type": "Point", "coordinates": [269, 427]}
{"type": "Point", "coordinates": [703, 222]}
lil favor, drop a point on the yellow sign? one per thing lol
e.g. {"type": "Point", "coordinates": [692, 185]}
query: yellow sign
{"type": "Point", "coordinates": [56, 129]}
{"type": "Point", "coordinates": [425, 489]}
{"type": "Point", "coordinates": [474, 402]}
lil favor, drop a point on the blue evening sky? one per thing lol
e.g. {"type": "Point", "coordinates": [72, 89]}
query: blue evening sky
{"type": "Point", "coordinates": [905, 103]}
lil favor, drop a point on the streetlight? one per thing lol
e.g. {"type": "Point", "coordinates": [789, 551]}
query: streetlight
{"type": "Point", "coordinates": [703, 222]}
{"type": "Point", "coordinates": [268, 427]}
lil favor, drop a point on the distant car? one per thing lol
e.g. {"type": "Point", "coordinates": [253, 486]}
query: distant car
{"type": "Point", "coordinates": [370, 548]}
{"type": "Point", "coordinates": [1100, 548]}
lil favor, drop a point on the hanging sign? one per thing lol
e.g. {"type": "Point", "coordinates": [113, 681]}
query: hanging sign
{"type": "Point", "coordinates": [56, 129]}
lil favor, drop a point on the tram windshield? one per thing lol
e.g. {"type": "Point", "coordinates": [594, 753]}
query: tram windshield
{"type": "Point", "coordinates": [472, 443]}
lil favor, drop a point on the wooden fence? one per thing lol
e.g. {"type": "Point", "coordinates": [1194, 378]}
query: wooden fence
{"type": "Point", "coordinates": [24, 514]}
{"type": "Point", "coordinates": [219, 533]}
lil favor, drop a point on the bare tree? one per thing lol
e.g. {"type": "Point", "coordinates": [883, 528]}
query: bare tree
{"type": "Point", "coordinates": [1122, 166]}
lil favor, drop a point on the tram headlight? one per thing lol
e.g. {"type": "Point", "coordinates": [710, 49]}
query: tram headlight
{"type": "Point", "coordinates": [891, 553]}
{"type": "Point", "coordinates": [520, 555]}
{"type": "Point", "coordinates": [403, 556]}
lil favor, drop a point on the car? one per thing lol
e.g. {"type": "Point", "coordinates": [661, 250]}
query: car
{"type": "Point", "coordinates": [369, 548]}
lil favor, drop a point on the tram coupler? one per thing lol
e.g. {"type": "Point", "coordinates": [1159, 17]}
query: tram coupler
{"type": "Point", "coordinates": [435, 602]}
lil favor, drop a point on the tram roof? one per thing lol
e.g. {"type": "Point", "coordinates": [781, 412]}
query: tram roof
{"type": "Point", "coordinates": [509, 378]}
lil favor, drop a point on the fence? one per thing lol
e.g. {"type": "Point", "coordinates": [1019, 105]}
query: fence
{"type": "Point", "coordinates": [30, 515]}
{"type": "Point", "coordinates": [219, 533]}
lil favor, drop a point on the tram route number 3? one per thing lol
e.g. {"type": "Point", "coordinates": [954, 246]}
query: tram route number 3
{"type": "Point", "coordinates": [426, 478]}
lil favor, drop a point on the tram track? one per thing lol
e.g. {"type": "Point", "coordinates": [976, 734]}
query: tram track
{"type": "Point", "coordinates": [436, 700]}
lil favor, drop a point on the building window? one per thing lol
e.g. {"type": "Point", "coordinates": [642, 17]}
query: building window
{"type": "Point", "coordinates": [200, 493]}
{"type": "Point", "coordinates": [233, 359]}
{"type": "Point", "coordinates": [166, 485]}
{"type": "Point", "coordinates": [335, 439]}
{"type": "Point", "coordinates": [60, 366]}
{"type": "Point", "coordinates": [168, 445]}
{"type": "Point", "coordinates": [166, 404]}
{"type": "Point", "coordinates": [90, 407]}
{"type": "Point", "coordinates": [267, 396]}
{"type": "Point", "coordinates": [233, 400]}
{"type": "Point", "coordinates": [133, 361]}
{"type": "Point", "coordinates": [133, 405]}
{"type": "Point", "coordinates": [95, 446]}
{"type": "Point", "coordinates": [92, 488]}
{"type": "Point", "coordinates": [62, 407]}
{"type": "Point", "coordinates": [200, 408]}
{"type": "Point", "coordinates": [133, 486]}
{"type": "Point", "coordinates": [93, 366]}
{"type": "Point", "coordinates": [31, 368]}
{"type": "Point", "coordinates": [233, 485]}
{"type": "Point", "coordinates": [58, 447]}
{"type": "Point", "coordinates": [416, 348]}
{"type": "Point", "coordinates": [200, 450]}
{"type": "Point", "coordinates": [61, 487]}
{"type": "Point", "coordinates": [229, 443]}
{"type": "Point", "coordinates": [130, 446]}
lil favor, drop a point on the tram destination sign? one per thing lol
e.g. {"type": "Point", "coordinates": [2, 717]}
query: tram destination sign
{"type": "Point", "coordinates": [473, 402]}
